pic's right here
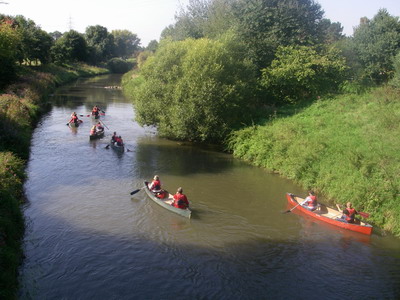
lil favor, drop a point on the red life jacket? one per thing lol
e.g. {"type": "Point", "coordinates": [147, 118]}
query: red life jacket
{"type": "Point", "coordinates": [180, 201]}
{"type": "Point", "coordinates": [313, 202]}
{"type": "Point", "coordinates": [74, 119]}
{"type": "Point", "coordinates": [350, 216]}
{"type": "Point", "coordinates": [156, 185]}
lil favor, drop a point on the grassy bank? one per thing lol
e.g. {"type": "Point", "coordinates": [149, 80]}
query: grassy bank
{"type": "Point", "coordinates": [21, 104]}
{"type": "Point", "coordinates": [346, 148]}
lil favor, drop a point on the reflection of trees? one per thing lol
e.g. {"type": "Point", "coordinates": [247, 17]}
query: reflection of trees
{"type": "Point", "coordinates": [169, 158]}
{"type": "Point", "coordinates": [89, 92]}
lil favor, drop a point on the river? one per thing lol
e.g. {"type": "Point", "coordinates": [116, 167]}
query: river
{"type": "Point", "coordinates": [88, 238]}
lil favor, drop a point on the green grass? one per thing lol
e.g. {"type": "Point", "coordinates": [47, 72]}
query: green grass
{"type": "Point", "coordinates": [346, 148]}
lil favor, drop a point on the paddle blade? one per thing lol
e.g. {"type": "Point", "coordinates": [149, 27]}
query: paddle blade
{"type": "Point", "coordinates": [363, 214]}
{"type": "Point", "coordinates": [135, 191]}
{"type": "Point", "coordinates": [286, 211]}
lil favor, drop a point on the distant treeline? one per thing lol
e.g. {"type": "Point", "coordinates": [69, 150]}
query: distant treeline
{"type": "Point", "coordinates": [22, 42]}
{"type": "Point", "coordinates": [225, 64]}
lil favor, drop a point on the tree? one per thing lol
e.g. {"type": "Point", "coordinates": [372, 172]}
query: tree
{"type": "Point", "coordinates": [195, 90]}
{"type": "Point", "coordinates": [125, 43]}
{"type": "Point", "coordinates": [300, 72]}
{"type": "Point", "coordinates": [10, 39]}
{"type": "Point", "coordinates": [267, 24]}
{"type": "Point", "coordinates": [376, 43]}
{"type": "Point", "coordinates": [152, 46]}
{"type": "Point", "coordinates": [100, 43]}
{"type": "Point", "coordinates": [71, 47]}
{"type": "Point", "coordinates": [35, 43]}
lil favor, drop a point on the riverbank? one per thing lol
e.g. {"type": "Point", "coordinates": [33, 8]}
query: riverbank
{"type": "Point", "coordinates": [345, 148]}
{"type": "Point", "coordinates": [21, 105]}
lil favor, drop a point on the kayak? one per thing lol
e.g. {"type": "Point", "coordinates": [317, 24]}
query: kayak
{"type": "Point", "coordinates": [166, 202]}
{"type": "Point", "coordinates": [97, 135]}
{"type": "Point", "coordinates": [117, 148]}
{"type": "Point", "coordinates": [328, 215]}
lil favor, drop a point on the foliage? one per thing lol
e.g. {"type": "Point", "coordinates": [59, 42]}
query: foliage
{"type": "Point", "coordinates": [71, 47]}
{"type": "Point", "coordinates": [376, 42]}
{"type": "Point", "coordinates": [35, 44]}
{"type": "Point", "coordinates": [301, 72]}
{"type": "Point", "coordinates": [195, 89]}
{"type": "Point", "coordinates": [11, 222]}
{"type": "Point", "coordinates": [100, 43]}
{"type": "Point", "coordinates": [152, 46]}
{"type": "Point", "coordinates": [119, 65]}
{"type": "Point", "coordinates": [267, 24]}
{"type": "Point", "coordinates": [345, 148]}
{"type": "Point", "coordinates": [125, 43]}
{"type": "Point", "coordinates": [9, 42]}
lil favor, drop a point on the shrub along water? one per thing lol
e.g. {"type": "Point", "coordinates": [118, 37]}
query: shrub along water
{"type": "Point", "coordinates": [20, 106]}
{"type": "Point", "coordinates": [345, 147]}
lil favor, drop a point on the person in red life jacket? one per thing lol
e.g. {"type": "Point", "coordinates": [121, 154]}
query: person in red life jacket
{"type": "Point", "coordinates": [99, 127]}
{"type": "Point", "coordinates": [349, 213]}
{"type": "Point", "coordinates": [310, 202]}
{"type": "Point", "coordinates": [180, 200]}
{"type": "Point", "coordinates": [119, 141]}
{"type": "Point", "coordinates": [114, 138]}
{"type": "Point", "coordinates": [155, 185]}
{"type": "Point", "coordinates": [93, 130]}
{"type": "Point", "coordinates": [95, 111]}
{"type": "Point", "coordinates": [74, 118]}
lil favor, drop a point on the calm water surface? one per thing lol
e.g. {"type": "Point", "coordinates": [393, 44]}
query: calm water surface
{"type": "Point", "coordinates": [87, 238]}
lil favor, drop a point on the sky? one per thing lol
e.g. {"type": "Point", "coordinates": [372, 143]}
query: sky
{"type": "Point", "coordinates": [147, 18]}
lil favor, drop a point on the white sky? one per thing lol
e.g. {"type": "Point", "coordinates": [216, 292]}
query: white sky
{"type": "Point", "coordinates": [147, 18]}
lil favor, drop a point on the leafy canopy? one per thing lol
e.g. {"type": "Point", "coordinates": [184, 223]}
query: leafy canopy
{"type": "Point", "coordinates": [194, 89]}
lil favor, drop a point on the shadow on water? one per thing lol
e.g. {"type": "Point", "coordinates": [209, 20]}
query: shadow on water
{"type": "Point", "coordinates": [106, 266]}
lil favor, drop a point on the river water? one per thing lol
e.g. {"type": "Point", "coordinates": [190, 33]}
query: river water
{"type": "Point", "coordinates": [88, 238]}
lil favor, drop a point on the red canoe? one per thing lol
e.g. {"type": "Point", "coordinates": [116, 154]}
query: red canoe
{"type": "Point", "coordinates": [327, 215]}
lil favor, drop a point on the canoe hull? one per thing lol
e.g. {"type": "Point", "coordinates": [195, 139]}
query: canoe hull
{"type": "Point", "coordinates": [96, 136]}
{"type": "Point", "coordinates": [166, 203]}
{"type": "Point", "coordinates": [75, 125]}
{"type": "Point", "coordinates": [328, 215]}
{"type": "Point", "coordinates": [117, 148]}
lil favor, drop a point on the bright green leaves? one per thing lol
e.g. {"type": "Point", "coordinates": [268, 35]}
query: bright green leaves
{"type": "Point", "coordinates": [302, 72]}
{"type": "Point", "coordinates": [194, 90]}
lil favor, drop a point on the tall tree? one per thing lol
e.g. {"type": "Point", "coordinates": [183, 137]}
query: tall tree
{"type": "Point", "coordinates": [10, 39]}
{"type": "Point", "coordinates": [100, 43]}
{"type": "Point", "coordinates": [267, 24]}
{"type": "Point", "coordinates": [125, 43]}
{"type": "Point", "coordinates": [376, 42]}
{"type": "Point", "coordinates": [71, 47]}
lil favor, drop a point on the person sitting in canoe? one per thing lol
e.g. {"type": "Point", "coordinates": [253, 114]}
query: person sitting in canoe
{"type": "Point", "coordinates": [349, 213]}
{"type": "Point", "coordinates": [180, 200]}
{"type": "Point", "coordinates": [310, 202]}
{"type": "Point", "coordinates": [119, 141]}
{"type": "Point", "coordinates": [74, 118]}
{"type": "Point", "coordinates": [155, 187]}
{"type": "Point", "coordinates": [93, 130]}
{"type": "Point", "coordinates": [99, 127]}
{"type": "Point", "coordinates": [114, 138]}
{"type": "Point", "coordinates": [95, 111]}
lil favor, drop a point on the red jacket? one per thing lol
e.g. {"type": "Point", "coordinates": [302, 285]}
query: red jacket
{"type": "Point", "coordinates": [312, 203]}
{"type": "Point", "coordinates": [351, 214]}
{"type": "Point", "coordinates": [180, 201]}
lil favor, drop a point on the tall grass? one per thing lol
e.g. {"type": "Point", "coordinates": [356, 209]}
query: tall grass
{"type": "Point", "coordinates": [346, 148]}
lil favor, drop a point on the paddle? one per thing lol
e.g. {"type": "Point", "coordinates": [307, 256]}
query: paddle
{"type": "Point", "coordinates": [104, 124]}
{"type": "Point", "coordinates": [289, 210]}
{"type": "Point", "coordinates": [106, 147]}
{"type": "Point", "coordinates": [84, 115]}
{"type": "Point", "coordinates": [135, 191]}
{"type": "Point", "coordinates": [363, 214]}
